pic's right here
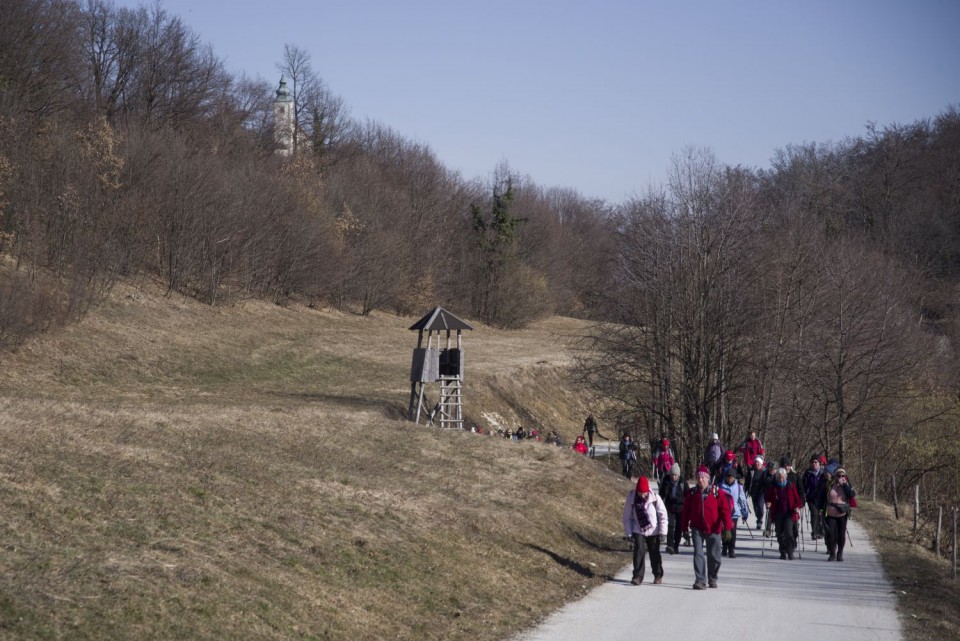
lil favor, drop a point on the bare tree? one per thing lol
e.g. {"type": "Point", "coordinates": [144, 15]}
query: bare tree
{"type": "Point", "coordinates": [679, 354]}
{"type": "Point", "coordinates": [39, 56]}
{"type": "Point", "coordinates": [859, 348]}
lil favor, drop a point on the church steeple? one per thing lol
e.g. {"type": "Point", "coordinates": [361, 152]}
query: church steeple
{"type": "Point", "coordinates": [283, 120]}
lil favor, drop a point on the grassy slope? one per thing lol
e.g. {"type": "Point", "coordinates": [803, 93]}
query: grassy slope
{"type": "Point", "coordinates": [172, 471]}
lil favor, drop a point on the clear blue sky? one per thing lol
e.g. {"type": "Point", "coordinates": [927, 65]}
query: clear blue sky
{"type": "Point", "coordinates": [598, 95]}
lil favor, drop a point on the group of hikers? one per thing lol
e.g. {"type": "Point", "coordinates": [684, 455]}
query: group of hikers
{"type": "Point", "coordinates": [707, 515]}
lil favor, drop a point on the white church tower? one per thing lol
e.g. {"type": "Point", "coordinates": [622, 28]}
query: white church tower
{"type": "Point", "coordinates": [283, 120]}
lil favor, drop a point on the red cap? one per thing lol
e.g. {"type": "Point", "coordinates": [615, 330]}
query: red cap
{"type": "Point", "coordinates": [731, 455]}
{"type": "Point", "coordinates": [823, 459]}
{"type": "Point", "coordinates": [643, 485]}
{"type": "Point", "coordinates": [703, 470]}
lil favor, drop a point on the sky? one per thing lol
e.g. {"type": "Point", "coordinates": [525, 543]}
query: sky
{"type": "Point", "coordinates": [600, 95]}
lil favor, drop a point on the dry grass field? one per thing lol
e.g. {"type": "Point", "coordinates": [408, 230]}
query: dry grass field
{"type": "Point", "coordinates": [174, 471]}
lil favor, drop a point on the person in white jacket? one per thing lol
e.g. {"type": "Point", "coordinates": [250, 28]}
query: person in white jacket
{"type": "Point", "coordinates": [645, 522]}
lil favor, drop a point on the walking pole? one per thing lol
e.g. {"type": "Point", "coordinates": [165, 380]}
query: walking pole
{"type": "Point", "coordinates": [766, 535]}
{"type": "Point", "coordinates": [819, 530]}
{"type": "Point", "coordinates": [803, 547]}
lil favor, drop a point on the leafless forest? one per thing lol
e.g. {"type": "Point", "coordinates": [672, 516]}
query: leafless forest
{"type": "Point", "coordinates": [813, 302]}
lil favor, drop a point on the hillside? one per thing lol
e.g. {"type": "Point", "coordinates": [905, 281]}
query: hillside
{"type": "Point", "coordinates": [171, 470]}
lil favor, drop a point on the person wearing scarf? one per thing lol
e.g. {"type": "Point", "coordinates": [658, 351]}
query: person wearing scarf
{"type": "Point", "coordinates": [645, 522]}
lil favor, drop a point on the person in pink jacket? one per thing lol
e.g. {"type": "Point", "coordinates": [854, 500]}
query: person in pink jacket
{"type": "Point", "coordinates": [645, 522]}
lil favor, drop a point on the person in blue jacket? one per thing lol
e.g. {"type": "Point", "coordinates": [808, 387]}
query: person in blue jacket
{"type": "Point", "coordinates": [739, 509]}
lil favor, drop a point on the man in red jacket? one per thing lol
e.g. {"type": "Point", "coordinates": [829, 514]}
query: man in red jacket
{"type": "Point", "coordinates": [706, 511]}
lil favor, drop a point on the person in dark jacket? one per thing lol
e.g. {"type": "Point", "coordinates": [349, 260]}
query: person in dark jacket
{"type": "Point", "coordinates": [628, 455]}
{"type": "Point", "coordinates": [758, 489]}
{"type": "Point", "coordinates": [673, 490]}
{"type": "Point", "coordinates": [728, 463]}
{"type": "Point", "coordinates": [706, 511]}
{"type": "Point", "coordinates": [826, 479]}
{"type": "Point", "coordinates": [590, 428]}
{"type": "Point", "coordinates": [784, 504]}
{"type": "Point", "coordinates": [811, 485]}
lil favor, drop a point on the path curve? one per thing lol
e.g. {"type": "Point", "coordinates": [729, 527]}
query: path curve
{"type": "Point", "coordinates": [759, 596]}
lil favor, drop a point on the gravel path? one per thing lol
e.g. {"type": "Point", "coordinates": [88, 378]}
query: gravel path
{"type": "Point", "coordinates": [759, 596]}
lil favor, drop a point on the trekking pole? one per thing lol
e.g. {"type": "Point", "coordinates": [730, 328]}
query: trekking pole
{"type": "Point", "coordinates": [821, 528]}
{"type": "Point", "coordinates": [766, 535]}
{"type": "Point", "coordinates": [803, 547]}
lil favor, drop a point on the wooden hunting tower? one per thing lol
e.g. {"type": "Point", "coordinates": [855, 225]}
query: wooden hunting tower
{"type": "Point", "coordinates": [435, 364]}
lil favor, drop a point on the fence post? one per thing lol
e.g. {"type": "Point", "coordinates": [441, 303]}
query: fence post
{"type": "Point", "coordinates": [954, 542]}
{"type": "Point", "coordinates": [874, 496]}
{"type": "Point", "coordinates": [936, 541]}
{"type": "Point", "coordinates": [896, 507]}
{"type": "Point", "coordinates": [916, 507]}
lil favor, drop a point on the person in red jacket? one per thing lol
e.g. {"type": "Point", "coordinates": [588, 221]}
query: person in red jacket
{"type": "Point", "coordinates": [706, 511]}
{"type": "Point", "coordinates": [663, 460]}
{"type": "Point", "coordinates": [783, 507]}
{"type": "Point", "coordinates": [751, 448]}
{"type": "Point", "coordinates": [581, 446]}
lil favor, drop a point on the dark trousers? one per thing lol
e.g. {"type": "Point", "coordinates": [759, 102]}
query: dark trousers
{"type": "Point", "coordinates": [815, 530]}
{"type": "Point", "coordinates": [731, 545]}
{"type": "Point", "coordinates": [748, 480]}
{"type": "Point", "coordinates": [642, 545]}
{"type": "Point", "coordinates": [836, 534]}
{"type": "Point", "coordinates": [785, 532]}
{"type": "Point", "coordinates": [673, 530]}
{"type": "Point", "coordinates": [626, 466]}
{"type": "Point", "coordinates": [758, 508]}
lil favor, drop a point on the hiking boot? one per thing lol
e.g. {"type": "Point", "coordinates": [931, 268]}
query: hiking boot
{"type": "Point", "coordinates": [832, 557]}
{"type": "Point", "coordinates": [670, 550]}
{"type": "Point", "coordinates": [759, 527]}
{"type": "Point", "coordinates": [724, 553]}
{"type": "Point", "coordinates": [713, 583]}
{"type": "Point", "coordinates": [790, 556]}
{"type": "Point", "coordinates": [839, 556]}
{"type": "Point", "coordinates": [658, 580]}
{"type": "Point", "coordinates": [635, 580]}
{"type": "Point", "coordinates": [783, 556]}
{"type": "Point", "coordinates": [699, 586]}
{"type": "Point", "coordinates": [732, 554]}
